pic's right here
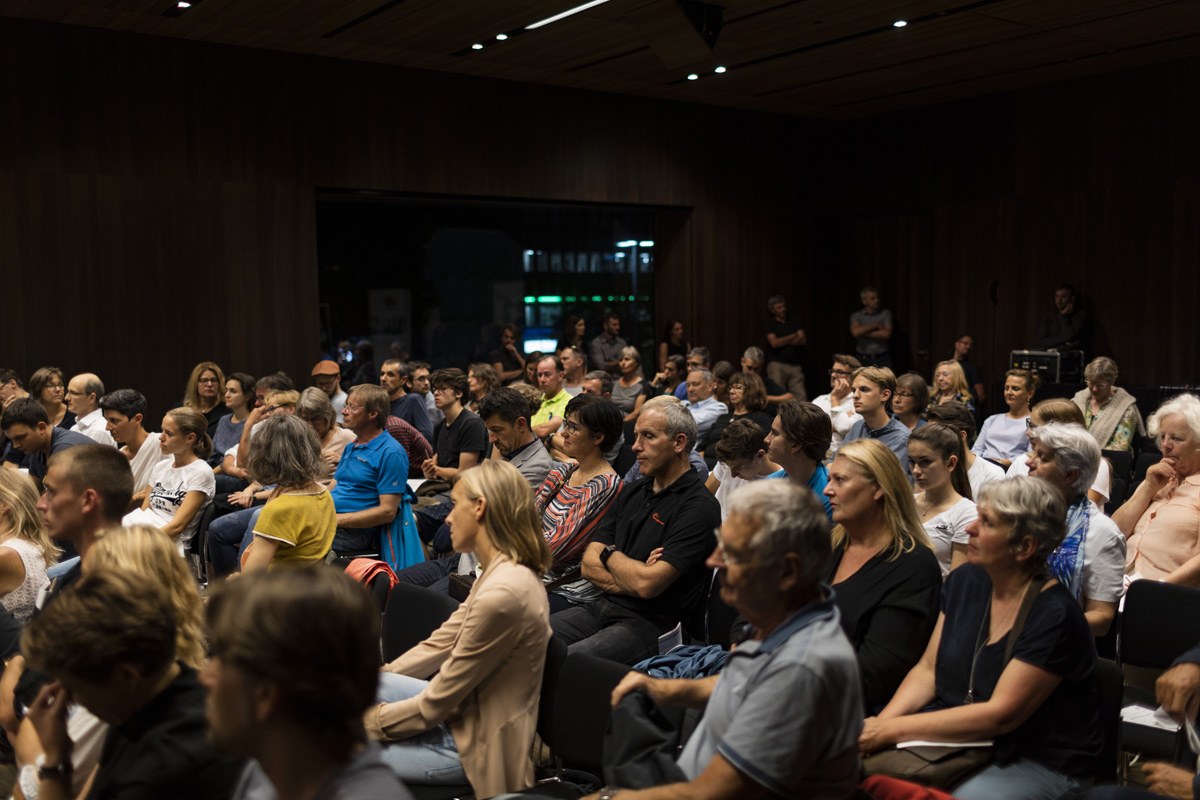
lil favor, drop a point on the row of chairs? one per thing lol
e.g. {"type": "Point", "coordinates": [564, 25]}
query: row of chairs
{"type": "Point", "coordinates": [1127, 473]}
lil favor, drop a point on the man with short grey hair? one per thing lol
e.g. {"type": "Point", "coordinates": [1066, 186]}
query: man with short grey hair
{"type": "Point", "coordinates": [705, 408]}
{"type": "Point", "coordinates": [648, 552]}
{"type": "Point", "coordinates": [782, 717]}
{"type": "Point", "coordinates": [83, 400]}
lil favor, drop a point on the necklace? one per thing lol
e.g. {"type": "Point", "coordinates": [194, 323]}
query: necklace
{"type": "Point", "coordinates": [981, 641]}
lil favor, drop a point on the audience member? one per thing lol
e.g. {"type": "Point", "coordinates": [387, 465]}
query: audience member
{"type": "Point", "coordinates": [871, 328]}
{"type": "Point", "coordinates": [741, 457]}
{"type": "Point", "coordinates": [695, 460]}
{"type": "Point", "coordinates": [482, 380]}
{"type": "Point", "coordinates": [124, 411]}
{"type": "Point", "coordinates": [28, 428]}
{"type": "Point", "coordinates": [1059, 409]}
{"type": "Point", "coordinates": [1090, 562]}
{"type": "Point", "coordinates": [937, 462]}
{"type": "Point", "coordinates": [704, 408]}
{"type": "Point", "coordinates": [648, 554]}
{"type": "Point", "coordinates": [508, 361]}
{"type": "Point", "coordinates": [787, 345]}
{"type": "Point", "coordinates": [327, 376]}
{"type": "Point", "coordinates": [316, 409]}
{"type": "Point", "coordinates": [672, 343]}
{"type": "Point", "coordinates": [239, 396]}
{"type": "Point", "coordinates": [950, 385]}
{"type": "Point", "coordinates": [885, 577]}
{"type": "Point", "coordinates": [1002, 438]}
{"type": "Point", "coordinates": [598, 382]}
{"type": "Point", "coordinates": [605, 349]}
{"type": "Point", "coordinates": [25, 547]}
{"type": "Point", "coordinates": [910, 401]}
{"type": "Point", "coordinates": [873, 388]}
{"type": "Point", "coordinates": [416, 380]}
{"type": "Point", "coordinates": [839, 403]}
{"type": "Point", "coordinates": [574, 329]}
{"type": "Point", "coordinates": [747, 400]}
{"type": "Point", "coordinates": [574, 366]}
{"type": "Point", "coordinates": [781, 718]}
{"type": "Point", "coordinates": [980, 471]}
{"type": "Point", "coordinates": [722, 372]}
{"type": "Point", "coordinates": [1067, 327]}
{"type": "Point", "coordinates": [991, 673]}
{"type": "Point", "coordinates": [531, 363]}
{"type": "Point", "coordinates": [1162, 517]}
{"type": "Point", "coordinates": [462, 705]}
{"type": "Point", "coordinates": [205, 392]}
{"type": "Point", "coordinates": [629, 391]}
{"type": "Point", "coordinates": [408, 406]}
{"type": "Point", "coordinates": [460, 440]}
{"type": "Point", "coordinates": [11, 387]}
{"type": "Point", "coordinates": [549, 416]}
{"type": "Point", "coordinates": [83, 399]}
{"type": "Point", "coordinates": [306, 645]}
{"type": "Point", "coordinates": [1109, 412]}
{"type": "Point", "coordinates": [797, 441]}
{"type": "Point", "coordinates": [670, 377]}
{"type": "Point", "coordinates": [698, 358]}
{"type": "Point", "coordinates": [962, 354]}
{"type": "Point", "coordinates": [754, 361]}
{"type": "Point", "coordinates": [416, 446]}
{"type": "Point", "coordinates": [48, 387]}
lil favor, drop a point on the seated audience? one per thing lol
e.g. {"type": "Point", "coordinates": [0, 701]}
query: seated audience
{"type": "Point", "coordinates": [462, 705]}
{"type": "Point", "coordinates": [327, 376]}
{"type": "Point", "coordinates": [1002, 438]}
{"type": "Point", "coordinates": [417, 447]}
{"type": "Point", "coordinates": [316, 409]}
{"type": "Point", "coordinates": [1162, 517]}
{"type": "Point", "coordinates": [83, 398]}
{"type": "Point", "coordinates": [205, 393]}
{"type": "Point", "coordinates": [508, 361]}
{"type": "Point", "coordinates": [672, 343]}
{"type": "Point", "coordinates": [980, 471]}
{"type": "Point", "coordinates": [460, 440]}
{"type": "Point", "coordinates": [11, 389]}
{"type": "Point", "coordinates": [747, 400]}
{"type": "Point", "coordinates": [839, 403]}
{"type": "Point", "coordinates": [25, 547]}
{"type": "Point", "coordinates": [1090, 562]}
{"type": "Point", "coordinates": [873, 389]}
{"type": "Point", "coordinates": [549, 416]}
{"type": "Point", "coordinates": [950, 385]}
{"type": "Point", "coordinates": [182, 484]}
{"type": "Point", "coordinates": [111, 645]}
{"type": "Point", "coordinates": [754, 361]}
{"type": "Point", "coordinates": [27, 427]}
{"type": "Point", "coordinates": [741, 458]}
{"type": "Point", "coordinates": [885, 577]}
{"type": "Point", "coordinates": [124, 411]}
{"type": "Point", "coordinates": [629, 389]}
{"type": "Point", "coordinates": [648, 553]}
{"type": "Point", "coordinates": [574, 367]}
{"type": "Point", "coordinates": [405, 404]}
{"type": "Point", "coordinates": [309, 644]}
{"type": "Point", "coordinates": [669, 378]}
{"type": "Point", "coordinates": [239, 396]}
{"type": "Point", "coordinates": [722, 372]}
{"type": "Point", "coordinates": [910, 400]}
{"type": "Point", "coordinates": [781, 718]}
{"type": "Point", "coordinates": [598, 382]}
{"type": "Point", "coordinates": [1109, 412]}
{"type": "Point", "coordinates": [695, 460]}
{"type": "Point", "coordinates": [937, 461]}
{"type": "Point", "coordinates": [797, 441]}
{"type": "Point", "coordinates": [1059, 409]}
{"type": "Point", "coordinates": [700, 403]}
{"type": "Point", "coordinates": [698, 358]}
{"type": "Point", "coordinates": [990, 673]}
{"type": "Point", "coordinates": [482, 380]}
{"type": "Point", "coordinates": [48, 387]}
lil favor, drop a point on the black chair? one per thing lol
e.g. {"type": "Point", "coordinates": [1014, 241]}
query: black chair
{"type": "Point", "coordinates": [1144, 462]}
{"type": "Point", "coordinates": [411, 614]}
{"type": "Point", "coordinates": [198, 546]}
{"type": "Point", "coordinates": [1109, 686]}
{"type": "Point", "coordinates": [581, 710]}
{"type": "Point", "coordinates": [380, 587]}
{"type": "Point", "coordinates": [625, 458]}
{"type": "Point", "coordinates": [556, 657]}
{"type": "Point", "coordinates": [719, 615]}
{"type": "Point", "coordinates": [1122, 462]}
{"type": "Point", "coordinates": [1117, 495]}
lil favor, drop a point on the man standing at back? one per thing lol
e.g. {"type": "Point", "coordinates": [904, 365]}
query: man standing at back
{"type": "Point", "coordinates": [83, 400]}
{"type": "Point", "coordinates": [574, 363]}
{"type": "Point", "coordinates": [787, 342]}
{"type": "Point", "coordinates": [871, 328]}
{"type": "Point", "coordinates": [606, 348]}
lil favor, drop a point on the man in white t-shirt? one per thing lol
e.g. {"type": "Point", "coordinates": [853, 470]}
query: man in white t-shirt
{"type": "Point", "coordinates": [741, 458]}
{"type": "Point", "coordinates": [124, 411]}
{"type": "Point", "coordinates": [839, 402]}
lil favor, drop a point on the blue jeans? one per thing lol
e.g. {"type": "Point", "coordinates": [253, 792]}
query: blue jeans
{"type": "Point", "coordinates": [429, 758]}
{"type": "Point", "coordinates": [1021, 780]}
{"type": "Point", "coordinates": [226, 536]}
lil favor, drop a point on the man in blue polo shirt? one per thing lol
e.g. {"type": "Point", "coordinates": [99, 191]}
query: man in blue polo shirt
{"type": "Point", "coordinates": [873, 389]}
{"type": "Point", "coordinates": [799, 436]}
{"type": "Point", "coordinates": [372, 477]}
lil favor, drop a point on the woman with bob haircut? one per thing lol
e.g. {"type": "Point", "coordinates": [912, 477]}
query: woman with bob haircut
{"type": "Point", "coordinates": [910, 400]}
{"type": "Point", "coordinates": [25, 548]}
{"type": "Point", "coordinates": [1035, 696]}
{"type": "Point", "coordinates": [1060, 409]}
{"type": "Point", "coordinates": [884, 574]}
{"type": "Point", "coordinates": [1091, 560]}
{"type": "Point", "coordinates": [747, 400]}
{"type": "Point", "coordinates": [315, 408]}
{"type": "Point", "coordinates": [1109, 412]}
{"type": "Point", "coordinates": [462, 705]}
{"type": "Point", "coordinates": [46, 385]}
{"type": "Point", "coordinates": [297, 524]}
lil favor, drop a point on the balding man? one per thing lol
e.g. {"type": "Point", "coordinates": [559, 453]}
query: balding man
{"type": "Point", "coordinates": [83, 400]}
{"type": "Point", "coordinates": [327, 376]}
{"type": "Point", "coordinates": [700, 401]}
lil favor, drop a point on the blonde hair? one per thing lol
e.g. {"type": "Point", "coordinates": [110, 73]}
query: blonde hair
{"type": "Point", "coordinates": [19, 514]}
{"type": "Point", "coordinates": [875, 462]}
{"type": "Point", "coordinates": [191, 395]}
{"type": "Point", "coordinates": [510, 516]}
{"type": "Point", "coordinates": [958, 378]}
{"type": "Point", "coordinates": [192, 422]}
{"type": "Point", "coordinates": [150, 555]}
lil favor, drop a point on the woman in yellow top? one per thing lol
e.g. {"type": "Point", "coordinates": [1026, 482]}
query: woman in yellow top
{"type": "Point", "coordinates": [298, 522]}
{"type": "Point", "coordinates": [462, 705]}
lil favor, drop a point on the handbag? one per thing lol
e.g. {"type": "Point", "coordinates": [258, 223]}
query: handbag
{"type": "Point", "coordinates": [946, 766]}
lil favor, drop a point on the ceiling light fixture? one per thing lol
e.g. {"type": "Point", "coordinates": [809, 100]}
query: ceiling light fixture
{"type": "Point", "coordinates": [565, 14]}
{"type": "Point", "coordinates": [693, 77]}
{"type": "Point", "coordinates": [720, 70]}
{"type": "Point", "coordinates": [900, 23]}
{"type": "Point", "coordinates": [500, 37]}
{"type": "Point", "coordinates": [183, 4]}
{"type": "Point", "coordinates": [477, 46]}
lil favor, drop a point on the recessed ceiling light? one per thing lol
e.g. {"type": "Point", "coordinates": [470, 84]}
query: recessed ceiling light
{"type": "Point", "coordinates": [900, 23]}
{"type": "Point", "coordinates": [720, 70]}
{"type": "Point", "coordinates": [693, 77]}
{"type": "Point", "coordinates": [500, 37]}
{"type": "Point", "coordinates": [477, 46]}
{"type": "Point", "coordinates": [564, 14]}
{"type": "Point", "coordinates": [183, 4]}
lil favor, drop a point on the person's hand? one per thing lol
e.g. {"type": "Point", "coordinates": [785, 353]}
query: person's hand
{"type": "Point", "coordinates": [1169, 780]}
{"type": "Point", "coordinates": [429, 468]}
{"type": "Point", "coordinates": [48, 714]}
{"type": "Point", "coordinates": [242, 499]}
{"type": "Point", "coordinates": [256, 415]}
{"type": "Point", "coordinates": [1178, 691]}
{"type": "Point", "coordinates": [654, 556]}
{"type": "Point", "coordinates": [840, 388]}
{"type": "Point", "coordinates": [512, 348]}
{"type": "Point", "coordinates": [332, 459]}
{"type": "Point", "coordinates": [875, 736]}
{"type": "Point", "coordinates": [1160, 474]}
{"type": "Point", "coordinates": [633, 682]}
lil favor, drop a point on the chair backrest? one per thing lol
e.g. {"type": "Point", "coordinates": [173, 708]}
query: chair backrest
{"type": "Point", "coordinates": [198, 546]}
{"type": "Point", "coordinates": [1160, 622]}
{"type": "Point", "coordinates": [1144, 462]}
{"type": "Point", "coordinates": [1121, 461]}
{"type": "Point", "coordinates": [1110, 686]}
{"type": "Point", "coordinates": [625, 458]}
{"type": "Point", "coordinates": [581, 711]}
{"type": "Point", "coordinates": [719, 615]}
{"type": "Point", "coordinates": [380, 587]}
{"type": "Point", "coordinates": [556, 656]}
{"type": "Point", "coordinates": [1116, 495]}
{"type": "Point", "coordinates": [412, 614]}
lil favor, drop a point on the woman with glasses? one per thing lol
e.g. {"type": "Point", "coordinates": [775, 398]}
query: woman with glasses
{"type": "Point", "coordinates": [884, 575]}
{"type": "Point", "coordinates": [205, 393]}
{"type": "Point", "coordinates": [1109, 412]}
{"type": "Point", "coordinates": [747, 400]}
{"type": "Point", "coordinates": [47, 387]}
{"type": "Point", "coordinates": [1060, 409]}
{"type": "Point", "coordinates": [1002, 438]}
{"type": "Point", "coordinates": [910, 400]}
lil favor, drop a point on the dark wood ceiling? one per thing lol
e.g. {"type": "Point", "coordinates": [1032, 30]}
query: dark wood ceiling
{"type": "Point", "coordinates": [823, 59]}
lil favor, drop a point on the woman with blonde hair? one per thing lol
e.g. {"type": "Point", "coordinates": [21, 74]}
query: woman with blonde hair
{"type": "Point", "coordinates": [25, 547]}
{"type": "Point", "coordinates": [885, 576]}
{"type": "Point", "coordinates": [629, 389]}
{"type": "Point", "coordinates": [205, 393]}
{"type": "Point", "coordinates": [462, 705]}
{"type": "Point", "coordinates": [950, 385]}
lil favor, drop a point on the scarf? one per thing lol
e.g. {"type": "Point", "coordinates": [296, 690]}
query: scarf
{"type": "Point", "coordinates": [1066, 562]}
{"type": "Point", "coordinates": [1104, 424]}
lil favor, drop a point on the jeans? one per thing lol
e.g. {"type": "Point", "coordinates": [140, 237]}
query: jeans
{"type": "Point", "coordinates": [356, 541]}
{"type": "Point", "coordinates": [1021, 780]}
{"type": "Point", "coordinates": [429, 758]}
{"type": "Point", "coordinates": [604, 629]}
{"type": "Point", "coordinates": [433, 574]}
{"type": "Point", "coordinates": [227, 538]}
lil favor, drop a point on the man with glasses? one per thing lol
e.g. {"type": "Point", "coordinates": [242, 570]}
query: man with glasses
{"type": "Point", "coordinates": [83, 400]}
{"type": "Point", "coordinates": [839, 402]}
{"type": "Point", "coordinates": [697, 358]}
{"type": "Point", "coordinates": [782, 717]}
{"type": "Point", "coordinates": [327, 377]}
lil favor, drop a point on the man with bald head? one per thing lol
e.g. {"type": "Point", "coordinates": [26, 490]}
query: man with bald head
{"type": "Point", "coordinates": [327, 376]}
{"type": "Point", "coordinates": [83, 400]}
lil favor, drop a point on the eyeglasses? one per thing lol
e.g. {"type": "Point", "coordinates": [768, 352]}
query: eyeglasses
{"type": "Point", "coordinates": [728, 558]}
{"type": "Point", "coordinates": [571, 426]}
{"type": "Point", "coordinates": [1029, 424]}
{"type": "Point", "coordinates": [208, 380]}
{"type": "Point", "coordinates": [841, 372]}
{"type": "Point", "coordinates": [904, 394]}
{"type": "Point", "coordinates": [349, 407]}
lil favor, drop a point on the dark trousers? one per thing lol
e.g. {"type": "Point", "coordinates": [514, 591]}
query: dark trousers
{"type": "Point", "coordinates": [603, 628]}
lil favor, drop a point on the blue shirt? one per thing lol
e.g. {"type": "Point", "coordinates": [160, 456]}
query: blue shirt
{"type": "Point", "coordinates": [894, 434]}
{"type": "Point", "coordinates": [818, 482]}
{"type": "Point", "coordinates": [367, 471]}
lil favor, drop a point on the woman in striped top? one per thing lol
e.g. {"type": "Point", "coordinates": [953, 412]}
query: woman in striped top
{"type": "Point", "coordinates": [576, 495]}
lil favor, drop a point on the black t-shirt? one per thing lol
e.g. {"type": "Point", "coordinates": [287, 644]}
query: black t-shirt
{"type": "Point", "coordinates": [466, 435]}
{"type": "Point", "coordinates": [792, 353]}
{"type": "Point", "coordinates": [213, 416]}
{"type": "Point", "coordinates": [508, 363]}
{"type": "Point", "coordinates": [1062, 734]}
{"type": "Point", "coordinates": [680, 519]}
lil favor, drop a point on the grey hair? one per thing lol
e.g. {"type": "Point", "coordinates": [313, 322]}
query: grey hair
{"type": "Point", "coordinates": [286, 452]}
{"type": "Point", "coordinates": [605, 378]}
{"type": "Point", "coordinates": [1033, 508]}
{"type": "Point", "coordinates": [1074, 449]}
{"type": "Point", "coordinates": [315, 404]}
{"type": "Point", "coordinates": [678, 420]}
{"type": "Point", "coordinates": [1102, 368]}
{"type": "Point", "coordinates": [754, 354]}
{"type": "Point", "coordinates": [773, 300]}
{"type": "Point", "coordinates": [705, 373]}
{"type": "Point", "coordinates": [789, 520]}
{"type": "Point", "coordinates": [1184, 405]}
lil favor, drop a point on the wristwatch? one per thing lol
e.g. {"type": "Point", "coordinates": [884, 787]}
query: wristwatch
{"type": "Point", "coordinates": [605, 555]}
{"type": "Point", "coordinates": [61, 770]}
{"type": "Point", "coordinates": [608, 792]}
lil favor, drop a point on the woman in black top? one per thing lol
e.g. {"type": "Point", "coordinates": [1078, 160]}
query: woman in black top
{"type": "Point", "coordinates": [884, 575]}
{"type": "Point", "coordinates": [747, 400]}
{"type": "Point", "coordinates": [1040, 707]}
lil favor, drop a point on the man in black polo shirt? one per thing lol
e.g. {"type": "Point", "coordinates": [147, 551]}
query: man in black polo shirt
{"type": "Point", "coordinates": [649, 550]}
{"type": "Point", "coordinates": [27, 426]}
